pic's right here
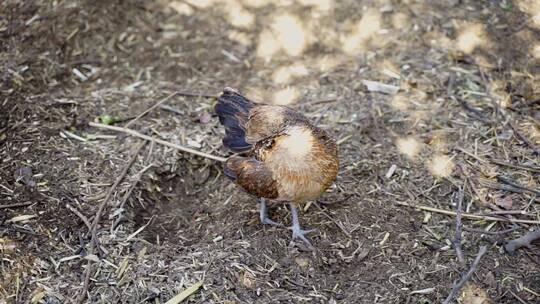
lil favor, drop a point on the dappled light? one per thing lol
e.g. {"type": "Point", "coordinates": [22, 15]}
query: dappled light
{"type": "Point", "coordinates": [531, 8]}
{"type": "Point", "coordinates": [536, 50]}
{"type": "Point", "coordinates": [202, 3]}
{"type": "Point", "coordinates": [471, 36]}
{"type": "Point", "coordinates": [401, 21]}
{"type": "Point", "coordinates": [286, 74]}
{"type": "Point", "coordinates": [441, 165]}
{"type": "Point", "coordinates": [285, 96]}
{"type": "Point", "coordinates": [240, 37]}
{"type": "Point", "coordinates": [117, 116]}
{"type": "Point", "coordinates": [237, 15]}
{"type": "Point", "coordinates": [326, 63]}
{"type": "Point", "coordinates": [181, 7]}
{"type": "Point", "coordinates": [409, 146]}
{"type": "Point", "coordinates": [400, 102]}
{"type": "Point", "coordinates": [357, 41]}
{"type": "Point", "coordinates": [286, 34]}
{"type": "Point", "coordinates": [321, 6]}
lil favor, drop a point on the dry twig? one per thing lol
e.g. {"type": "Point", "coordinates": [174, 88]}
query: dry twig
{"type": "Point", "coordinates": [457, 238]}
{"type": "Point", "coordinates": [157, 140]}
{"type": "Point", "coordinates": [151, 108]}
{"type": "Point", "coordinates": [466, 277]}
{"type": "Point", "coordinates": [468, 215]}
{"type": "Point", "coordinates": [16, 205]}
{"type": "Point", "coordinates": [524, 241]}
{"type": "Point", "coordinates": [516, 185]}
{"type": "Point", "coordinates": [81, 216]}
{"type": "Point", "coordinates": [93, 240]}
{"type": "Point", "coordinates": [481, 231]}
{"type": "Point", "coordinates": [514, 166]}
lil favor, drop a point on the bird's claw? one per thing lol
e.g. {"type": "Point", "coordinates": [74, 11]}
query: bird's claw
{"type": "Point", "coordinates": [298, 233]}
{"type": "Point", "coordinates": [267, 221]}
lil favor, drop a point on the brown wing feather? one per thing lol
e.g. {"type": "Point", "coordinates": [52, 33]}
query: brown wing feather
{"type": "Point", "coordinates": [253, 176]}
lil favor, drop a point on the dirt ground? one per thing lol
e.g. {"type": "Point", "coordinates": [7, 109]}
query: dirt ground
{"type": "Point", "coordinates": [466, 116]}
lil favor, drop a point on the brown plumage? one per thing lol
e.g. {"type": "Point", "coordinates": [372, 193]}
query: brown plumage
{"type": "Point", "coordinates": [282, 155]}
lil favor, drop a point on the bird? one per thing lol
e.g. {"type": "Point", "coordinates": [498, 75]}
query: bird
{"type": "Point", "coordinates": [279, 155]}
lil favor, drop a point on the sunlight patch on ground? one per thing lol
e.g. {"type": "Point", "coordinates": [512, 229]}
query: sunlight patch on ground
{"type": "Point", "coordinates": [286, 96]}
{"type": "Point", "coordinates": [438, 143]}
{"type": "Point", "coordinates": [400, 102]}
{"type": "Point", "coordinates": [290, 33]}
{"type": "Point", "coordinates": [400, 21]}
{"type": "Point", "coordinates": [181, 8]}
{"type": "Point", "coordinates": [441, 165]}
{"type": "Point", "coordinates": [256, 3]}
{"type": "Point", "coordinates": [438, 39]}
{"type": "Point", "coordinates": [532, 8]}
{"type": "Point", "coordinates": [201, 3]}
{"type": "Point", "coordinates": [268, 45]}
{"type": "Point", "coordinates": [237, 15]}
{"type": "Point", "coordinates": [327, 62]}
{"type": "Point", "coordinates": [471, 35]}
{"type": "Point", "coordinates": [256, 94]}
{"type": "Point", "coordinates": [409, 146]}
{"type": "Point", "coordinates": [240, 37]}
{"type": "Point", "coordinates": [531, 131]}
{"type": "Point", "coordinates": [287, 73]}
{"type": "Point", "coordinates": [355, 42]}
{"type": "Point", "coordinates": [286, 34]}
{"type": "Point", "coordinates": [536, 51]}
{"type": "Point", "coordinates": [497, 89]}
{"type": "Point", "coordinates": [320, 6]}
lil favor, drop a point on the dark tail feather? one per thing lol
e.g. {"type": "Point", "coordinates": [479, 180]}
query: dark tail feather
{"type": "Point", "coordinates": [229, 172]}
{"type": "Point", "coordinates": [233, 112]}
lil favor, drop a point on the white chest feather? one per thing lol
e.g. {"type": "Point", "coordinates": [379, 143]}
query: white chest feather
{"type": "Point", "coordinates": [297, 144]}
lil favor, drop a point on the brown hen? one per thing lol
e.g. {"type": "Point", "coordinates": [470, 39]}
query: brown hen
{"type": "Point", "coordinates": [282, 156]}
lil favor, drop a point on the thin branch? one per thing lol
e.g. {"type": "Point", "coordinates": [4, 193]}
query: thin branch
{"type": "Point", "coordinates": [151, 108]}
{"type": "Point", "coordinates": [457, 236]}
{"type": "Point", "coordinates": [519, 167]}
{"type": "Point", "coordinates": [468, 215]}
{"type": "Point", "coordinates": [467, 276]}
{"type": "Point", "coordinates": [516, 185]}
{"type": "Point", "coordinates": [157, 140]}
{"type": "Point", "coordinates": [81, 216]}
{"type": "Point", "coordinates": [16, 205]}
{"type": "Point", "coordinates": [524, 241]}
{"type": "Point", "coordinates": [93, 240]}
{"type": "Point", "coordinates": [481, 231]}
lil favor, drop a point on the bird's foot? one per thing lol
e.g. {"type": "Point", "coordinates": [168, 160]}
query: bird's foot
{"type": "Point", "coordinates": [298, 233]}
{"type": "Point", "coordinates": [263, 213]}
{"type": "Point", "coordinates": [267, 221]}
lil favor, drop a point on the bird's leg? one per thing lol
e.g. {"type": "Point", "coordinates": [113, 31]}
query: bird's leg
{"type": "Point", "coordinates": [263, 212]}
{"type": "Point", "coordinates": [297, 232]}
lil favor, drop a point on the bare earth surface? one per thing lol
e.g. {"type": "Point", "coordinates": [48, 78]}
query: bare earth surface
{"type": "Point", "coordinates": [466, 116]}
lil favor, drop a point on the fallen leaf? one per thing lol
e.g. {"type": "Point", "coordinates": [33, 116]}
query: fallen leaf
{"type": "Point", "coordinates": [504, 202]}
{"type": "Point", "coordinates": [473, 294]}
{"type": "Point", "coordinates": [185, 293]}
{"type": "Point", "coordinates": [7, 245]}
{"type": "Point", "coordinates": [375, 86]}
{"type": "Point", "coordinates": [24, 176]}
{"type": "Point", "coordinates": [22, 218]}
{"type": "Point", "coordinates": [248, 280]}
{"type": "Point", "coordinates": [302, 262]}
